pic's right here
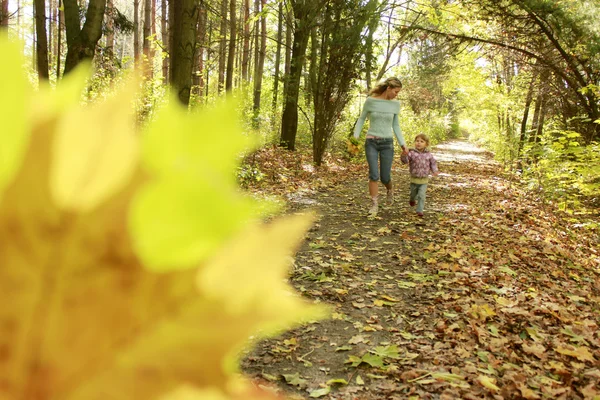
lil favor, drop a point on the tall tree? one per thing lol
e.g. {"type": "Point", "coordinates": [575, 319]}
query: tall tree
{"type": "Point", "coordinates": [198, 77]}
{"type": "Point", "coordinates": [147, 42]}
{"type": "Point", "coordinates": [246, 41]}
{"type": "Point", "coordinates": [59, 35]}
{"type": "Point", "coordinates": [222, 45]}
{"type": "Point", "coordinates": [260, 64]}
{"type": "Point", "coordinates": [4, 14]}
{"type": "Point", "coordinates": [232, 40]}
{"type": "Point", "coordinates": [110, 27]}
{"type": "Point", "coordinates": [41, 40]}
{"type": "Point", "coordinates": [183, 17]}
{"type": "Point", "coordinates": [81, 42]}
{"type": "Point", "coordinates": [305, 13]}
{"type": "Point", "coordinates": [136, 30]}
{"type": "Point", "coordinates": [278, 40]}
{"type": "Point", "coordinates": [339, 65]}
{"type": "Point", "coordinates": [164, 30]}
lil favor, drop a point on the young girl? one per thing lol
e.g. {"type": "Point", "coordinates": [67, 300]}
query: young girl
{"type": "Point", "coordinates": [382, 110]}
{"type": "Point", "coordinates": [421, 164]}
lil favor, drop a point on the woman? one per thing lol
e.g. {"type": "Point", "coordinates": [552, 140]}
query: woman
{"type": "Point", "coordinates": [382, 110]}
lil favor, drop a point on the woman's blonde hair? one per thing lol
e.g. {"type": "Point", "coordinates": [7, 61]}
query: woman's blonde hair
{"type": "Point", "coordinates": [381, 87]}
{"type": "Point", "coordinates": [424, 137]}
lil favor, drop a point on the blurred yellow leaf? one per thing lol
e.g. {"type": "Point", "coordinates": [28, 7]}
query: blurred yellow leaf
{"type": "Point", "coordinates": [94, 152]}
{"type": "Point", "coordinates": [87, 319]}
{"type": "Point", "coordinates": [14, 110]}
{"type": "Point", "coordinates": [488, 382]}
{"type": "Point", "coordinates": [535, 349]}
{"type": "Point", "coordinates": [581, 353]}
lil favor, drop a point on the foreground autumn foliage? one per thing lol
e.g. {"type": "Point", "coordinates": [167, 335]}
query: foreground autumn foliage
{"type": "Point", "coordinates": [131, 267]}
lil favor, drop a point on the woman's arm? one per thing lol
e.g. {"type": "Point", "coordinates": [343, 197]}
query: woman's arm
{"type": "Point", "coordinates": [361, 121]}
{"type": "Point", "coordinates": [398, 132]}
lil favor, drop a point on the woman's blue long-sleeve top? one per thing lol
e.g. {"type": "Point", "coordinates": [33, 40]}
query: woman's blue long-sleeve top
{"type": "Point", "coordinates": [383, 117]}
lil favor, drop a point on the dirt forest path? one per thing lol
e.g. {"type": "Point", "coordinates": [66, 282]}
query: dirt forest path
{"type": "Point", "coordinates": [489, 296]}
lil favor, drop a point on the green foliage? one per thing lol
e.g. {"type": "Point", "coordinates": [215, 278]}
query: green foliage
{"type": "Point", "coordinates": [248, 174]}
{"type": "Point", "coordinates": [563, 169]}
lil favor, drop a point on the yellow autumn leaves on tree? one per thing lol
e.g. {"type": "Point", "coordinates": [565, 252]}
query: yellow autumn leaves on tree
{"type": "Point", "coordinates": [131, 266]}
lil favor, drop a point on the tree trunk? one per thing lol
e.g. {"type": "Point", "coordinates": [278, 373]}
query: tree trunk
{"type": "Point", "coordinates": [256, 37]}
{"type": "Point", "coordinates": [538, 108]}
{"type": "Point", "coordinates": [41, 40]}
{"type": "Point", "coordinates": [136, 30]}
{"type": "Point", "coordinates": [147, 45]}
{"type": "Point", "coordinates": [183, 17]}
{"type": "Point", "coordinates": [165, 39]}
{"type": "Point", "coordinates": [246, 46]}
{"type": "Point", "coordinates": [222, 45]}
{"type": "Point", "coordinates": [304, 16]}
{"type": "Point", "coordinates": [232, 39]}
{"type": "Point", "coordinates": [311, 80]}
{"type": "Point", "coordinates": [527, 107]}
{"type": "Point", "coordinates": [51, 33]}
{"type": "Point", "coordinates": [81, 43]}
{"type": "Point", "coordinates": [4, 14]}
{"type": "Point", "coordinates": [260, 65]}
{"type": "Point", "coordinates": [198, 77]}
{"type": "Point", "coordinates": [61, 23]}
{"type": "Point", "coordinates": [369, 59]}
{"type": "Point", "coordinates": [110, 28]}
{"type": "Point", "coordinates": [288, 51]}
{"type": "Point", "coordinates": [277, 55]}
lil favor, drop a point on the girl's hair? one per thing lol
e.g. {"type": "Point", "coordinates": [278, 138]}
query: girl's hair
{"type": "Point", "coordinates": [392, 82]}
{"type": "Point", "coordinates": [424, 137]}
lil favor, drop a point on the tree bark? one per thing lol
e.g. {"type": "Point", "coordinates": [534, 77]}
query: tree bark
{"type": "Point", "coordinates": [136, 30]}
{"type": "Point", "coordinates": [304, 16]}
{"type": "Point", "coordinates": [222, 46]}
{"type": "Point", "coordinates": [147, 44]}
{"type": "Point", "coordinates": [198, 77]}
{"type": "Point", "coordinates": [277, 55]}
{"type": "Point", "coordinates": [61, 23]}
{"type": "Point", "coordinates": [165, 39]}
{"type": "Point", "coordinates": [183, 17]}
{"type": "Point", "coordinates": [41, 44]}
{"type": "Point", "coordinates": [4, 14]}
{"type": "Point", "coordinates": [246, 45]}
{"type": "Point", "coordinates": [232, 39]}
{"type": "Point", "coordinates": [260, 65]}
{"type": "Point", "coordinates": [526, 108]}
{"type": "Point", "coordinates": [81, 43]}
{"type": "Point", "coordinates": [311, 80]}
{"type": "Point", "coordinates": [539, 109]}
{"type": "Point", "coordinates": [110, 28]}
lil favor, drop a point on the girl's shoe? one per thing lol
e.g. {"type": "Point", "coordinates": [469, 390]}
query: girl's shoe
{"type": "Point", "coordinates": [412, 203]}
{"type": "Point", "coordinates": [420, 214]}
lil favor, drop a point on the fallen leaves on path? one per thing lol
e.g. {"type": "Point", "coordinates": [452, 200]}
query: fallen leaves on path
{"type": "Point", "coordinates": [491, 295]}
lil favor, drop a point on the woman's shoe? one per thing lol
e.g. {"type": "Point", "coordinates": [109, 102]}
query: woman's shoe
{"type": "Point", "coordinates": [373, 210]}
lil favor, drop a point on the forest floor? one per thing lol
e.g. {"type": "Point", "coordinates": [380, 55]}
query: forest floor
{"type": "Point", "coordinates": [492, 295]}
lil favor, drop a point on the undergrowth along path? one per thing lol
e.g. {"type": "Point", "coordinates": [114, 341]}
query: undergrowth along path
{"type": "Point", "coordinates": [491, 295]}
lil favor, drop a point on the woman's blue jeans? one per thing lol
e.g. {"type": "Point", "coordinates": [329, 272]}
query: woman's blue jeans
{"type": "Point", "coordinates": [380, 155]}
{"type": "Point", "coordinates": [417, 193]}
